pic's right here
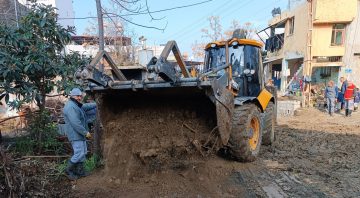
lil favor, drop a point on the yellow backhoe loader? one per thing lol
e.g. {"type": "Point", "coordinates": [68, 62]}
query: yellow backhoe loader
{"type": "Point", "coordinates": [232, 78]}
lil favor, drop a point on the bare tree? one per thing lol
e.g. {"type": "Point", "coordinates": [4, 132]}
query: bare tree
{"type": "Point", "coordinates": [124, 9]}
{"type": "Point", "coordinates": [198, 50]}
{"type": "Point", "coordinates": [214, 31]}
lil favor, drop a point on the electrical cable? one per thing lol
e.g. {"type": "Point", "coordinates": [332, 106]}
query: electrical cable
{"type": "Point", "coordinates": [142, 13]}
{"type": "Point", "coordinates": [192, 31]}
{"type": "Point", "coordinates": [195, 25]}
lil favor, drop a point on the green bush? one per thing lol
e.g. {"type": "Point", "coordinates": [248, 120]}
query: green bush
{"type": "Point", "coordinates": [42, 137]}
{"type": "Point", "coordinates": [92, 163]}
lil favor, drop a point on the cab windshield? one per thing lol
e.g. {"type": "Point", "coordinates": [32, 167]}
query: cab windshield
{"type": "Point", "coordinates": [245, 60]}
{"type": "Point", "coordinates": [214, 57]}
{"type": "Point", "coordinates": [241, 57]}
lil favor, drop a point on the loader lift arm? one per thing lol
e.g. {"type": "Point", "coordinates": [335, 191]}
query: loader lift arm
{"type": "Point", "coordinates": [92, 74]}
{"type": "Point", "coordinates": [163, 68]}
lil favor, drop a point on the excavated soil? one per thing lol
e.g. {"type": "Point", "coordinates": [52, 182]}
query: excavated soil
{"type": "Point", "coordinates": [314, 155]}
{"type": "Point", "coordinates": [161, 146]}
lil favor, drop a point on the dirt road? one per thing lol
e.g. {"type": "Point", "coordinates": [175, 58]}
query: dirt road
{"type": "Point", "coordinates": [314, 156]}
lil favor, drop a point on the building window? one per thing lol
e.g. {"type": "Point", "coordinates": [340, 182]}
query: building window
{"type": "Point", "coordinates": [324, 59]}
{"type": "Point", "coordinates": [291, 25]}
{"type": "Point", "coordinates": [325, 72]}
{"type": "Point", "coordinates": [338, 34]}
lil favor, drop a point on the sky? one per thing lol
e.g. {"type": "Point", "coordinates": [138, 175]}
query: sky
{"type": "Point", "coordinates": [184, 25]}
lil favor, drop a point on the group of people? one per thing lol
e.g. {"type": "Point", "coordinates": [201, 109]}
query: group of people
{"type": "Point", "coordinates": [78, 117]}
{"type": "Point", "coordinates": [347, 97]}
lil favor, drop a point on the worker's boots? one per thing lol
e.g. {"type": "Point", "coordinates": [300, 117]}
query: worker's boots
{"type": "Point", "coordinates": [71, 171]}
{"type": "Point", "coordinates": [80, 170]}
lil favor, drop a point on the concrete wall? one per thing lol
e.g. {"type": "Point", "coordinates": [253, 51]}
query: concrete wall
{"type": "Point", "coordinates": [321, 45]}
{"type": "Point", "coordinates": [296, 42]}
{"type": "Point", "coordinates": [334, 10]}
{"type": "Point", "coordinates": [65, 10]}
{"type": "Point", "coordinates": [352, 46]}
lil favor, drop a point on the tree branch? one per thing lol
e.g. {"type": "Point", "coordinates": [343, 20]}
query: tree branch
{"type": "Point", "coordinates": [137, 24]}
{"type": "Point", "coordinates": [148, 10]}
{"type": "Point", "coordinates": [135, 11]}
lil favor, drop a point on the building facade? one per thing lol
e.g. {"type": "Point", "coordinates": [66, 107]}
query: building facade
{"type": "Point", "coordinates": [315, 42]}
{"type": "Point", "coordinates": [11, 11]}
{"type": "Point", "coordinates": [65, 10]}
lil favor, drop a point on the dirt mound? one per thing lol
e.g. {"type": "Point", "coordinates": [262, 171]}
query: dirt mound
{"type": "Point", "coordinates": [158, 141]}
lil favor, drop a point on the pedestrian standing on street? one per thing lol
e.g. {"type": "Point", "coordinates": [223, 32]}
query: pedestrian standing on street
{"type": "Point", "coordinates": [349, 98]}
{"type": "Point", "coordinates": [77, 131]}
{"type": "Point", "coordinates": [344, 84]}
{"type": "Point", "coordinates": [356, 99]}
{"type": "Point", "coordinates": [330, 95]}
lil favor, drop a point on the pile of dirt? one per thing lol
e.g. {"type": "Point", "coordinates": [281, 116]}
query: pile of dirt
{"type": "Point", "coordinates": [159, 137]}
{"type": "Point", "coordinates": [159, 147]}
{"type": "Point", "coordinates": [314, 155]}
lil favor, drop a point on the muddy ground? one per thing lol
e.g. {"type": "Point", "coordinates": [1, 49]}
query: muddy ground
{"type": "Point", "coordinates": [314, 155]}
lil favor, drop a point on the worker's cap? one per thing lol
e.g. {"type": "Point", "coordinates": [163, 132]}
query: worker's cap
{"type": "Point", "coordinates": [75, 92]}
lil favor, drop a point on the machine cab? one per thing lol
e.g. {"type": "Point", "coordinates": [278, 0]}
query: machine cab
{"type": "Point", "coordinates": [244, 56]}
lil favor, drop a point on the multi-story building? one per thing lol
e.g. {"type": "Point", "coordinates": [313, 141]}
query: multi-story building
{"type": "Point", "coordinates": [65, 10]}
{"type": "Point", "coordinates": [318, 41]}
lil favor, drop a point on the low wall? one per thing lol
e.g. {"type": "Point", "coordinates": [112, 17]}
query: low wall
{"type": "Point", "coordinates": [287, 107]}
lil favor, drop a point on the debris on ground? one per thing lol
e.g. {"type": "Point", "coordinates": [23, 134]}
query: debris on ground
{"type": "Point", "coordinates": [29, 177]}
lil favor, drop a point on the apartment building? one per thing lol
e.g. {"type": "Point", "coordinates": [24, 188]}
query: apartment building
{"type": "Point", "coordinates": [316, 42]}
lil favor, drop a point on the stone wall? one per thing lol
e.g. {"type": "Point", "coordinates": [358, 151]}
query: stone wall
{"type": "Point", "coordinates": [8, 14]}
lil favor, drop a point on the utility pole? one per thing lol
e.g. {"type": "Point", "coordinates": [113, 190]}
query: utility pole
{"type": "Point", "coordinates": [98, 125]}
{"type": "Point", "coordinates": [101, 29]}
{"type": "Point", "coordinates": [16, 14]}
{"type": "Point", "coordinates": [309, 47]}
{"type": "Point", "coordinates": [100, 25]}
{"type": "Point", "coordinates": [289, 2]}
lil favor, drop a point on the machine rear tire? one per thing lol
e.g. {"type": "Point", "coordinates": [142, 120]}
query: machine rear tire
{"type": "Point", "coordinates": [269, 124]}
{"type": "Point", "coordinates": [246, 135]}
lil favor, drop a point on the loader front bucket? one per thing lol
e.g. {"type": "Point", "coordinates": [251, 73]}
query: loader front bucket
{"type": "Point", "coordinates": [146, 131]}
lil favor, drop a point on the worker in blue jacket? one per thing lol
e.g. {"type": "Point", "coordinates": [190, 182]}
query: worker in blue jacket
{"type": "Point", "coordinates": [77, 131]}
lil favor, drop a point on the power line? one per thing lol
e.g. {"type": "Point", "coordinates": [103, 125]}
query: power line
{"type": "Point", "coordinates": [192, 31]}
{"type": "Point", "coordinates": [195, 25]}
{"type": "Point", "coordinates": [142, 13]}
